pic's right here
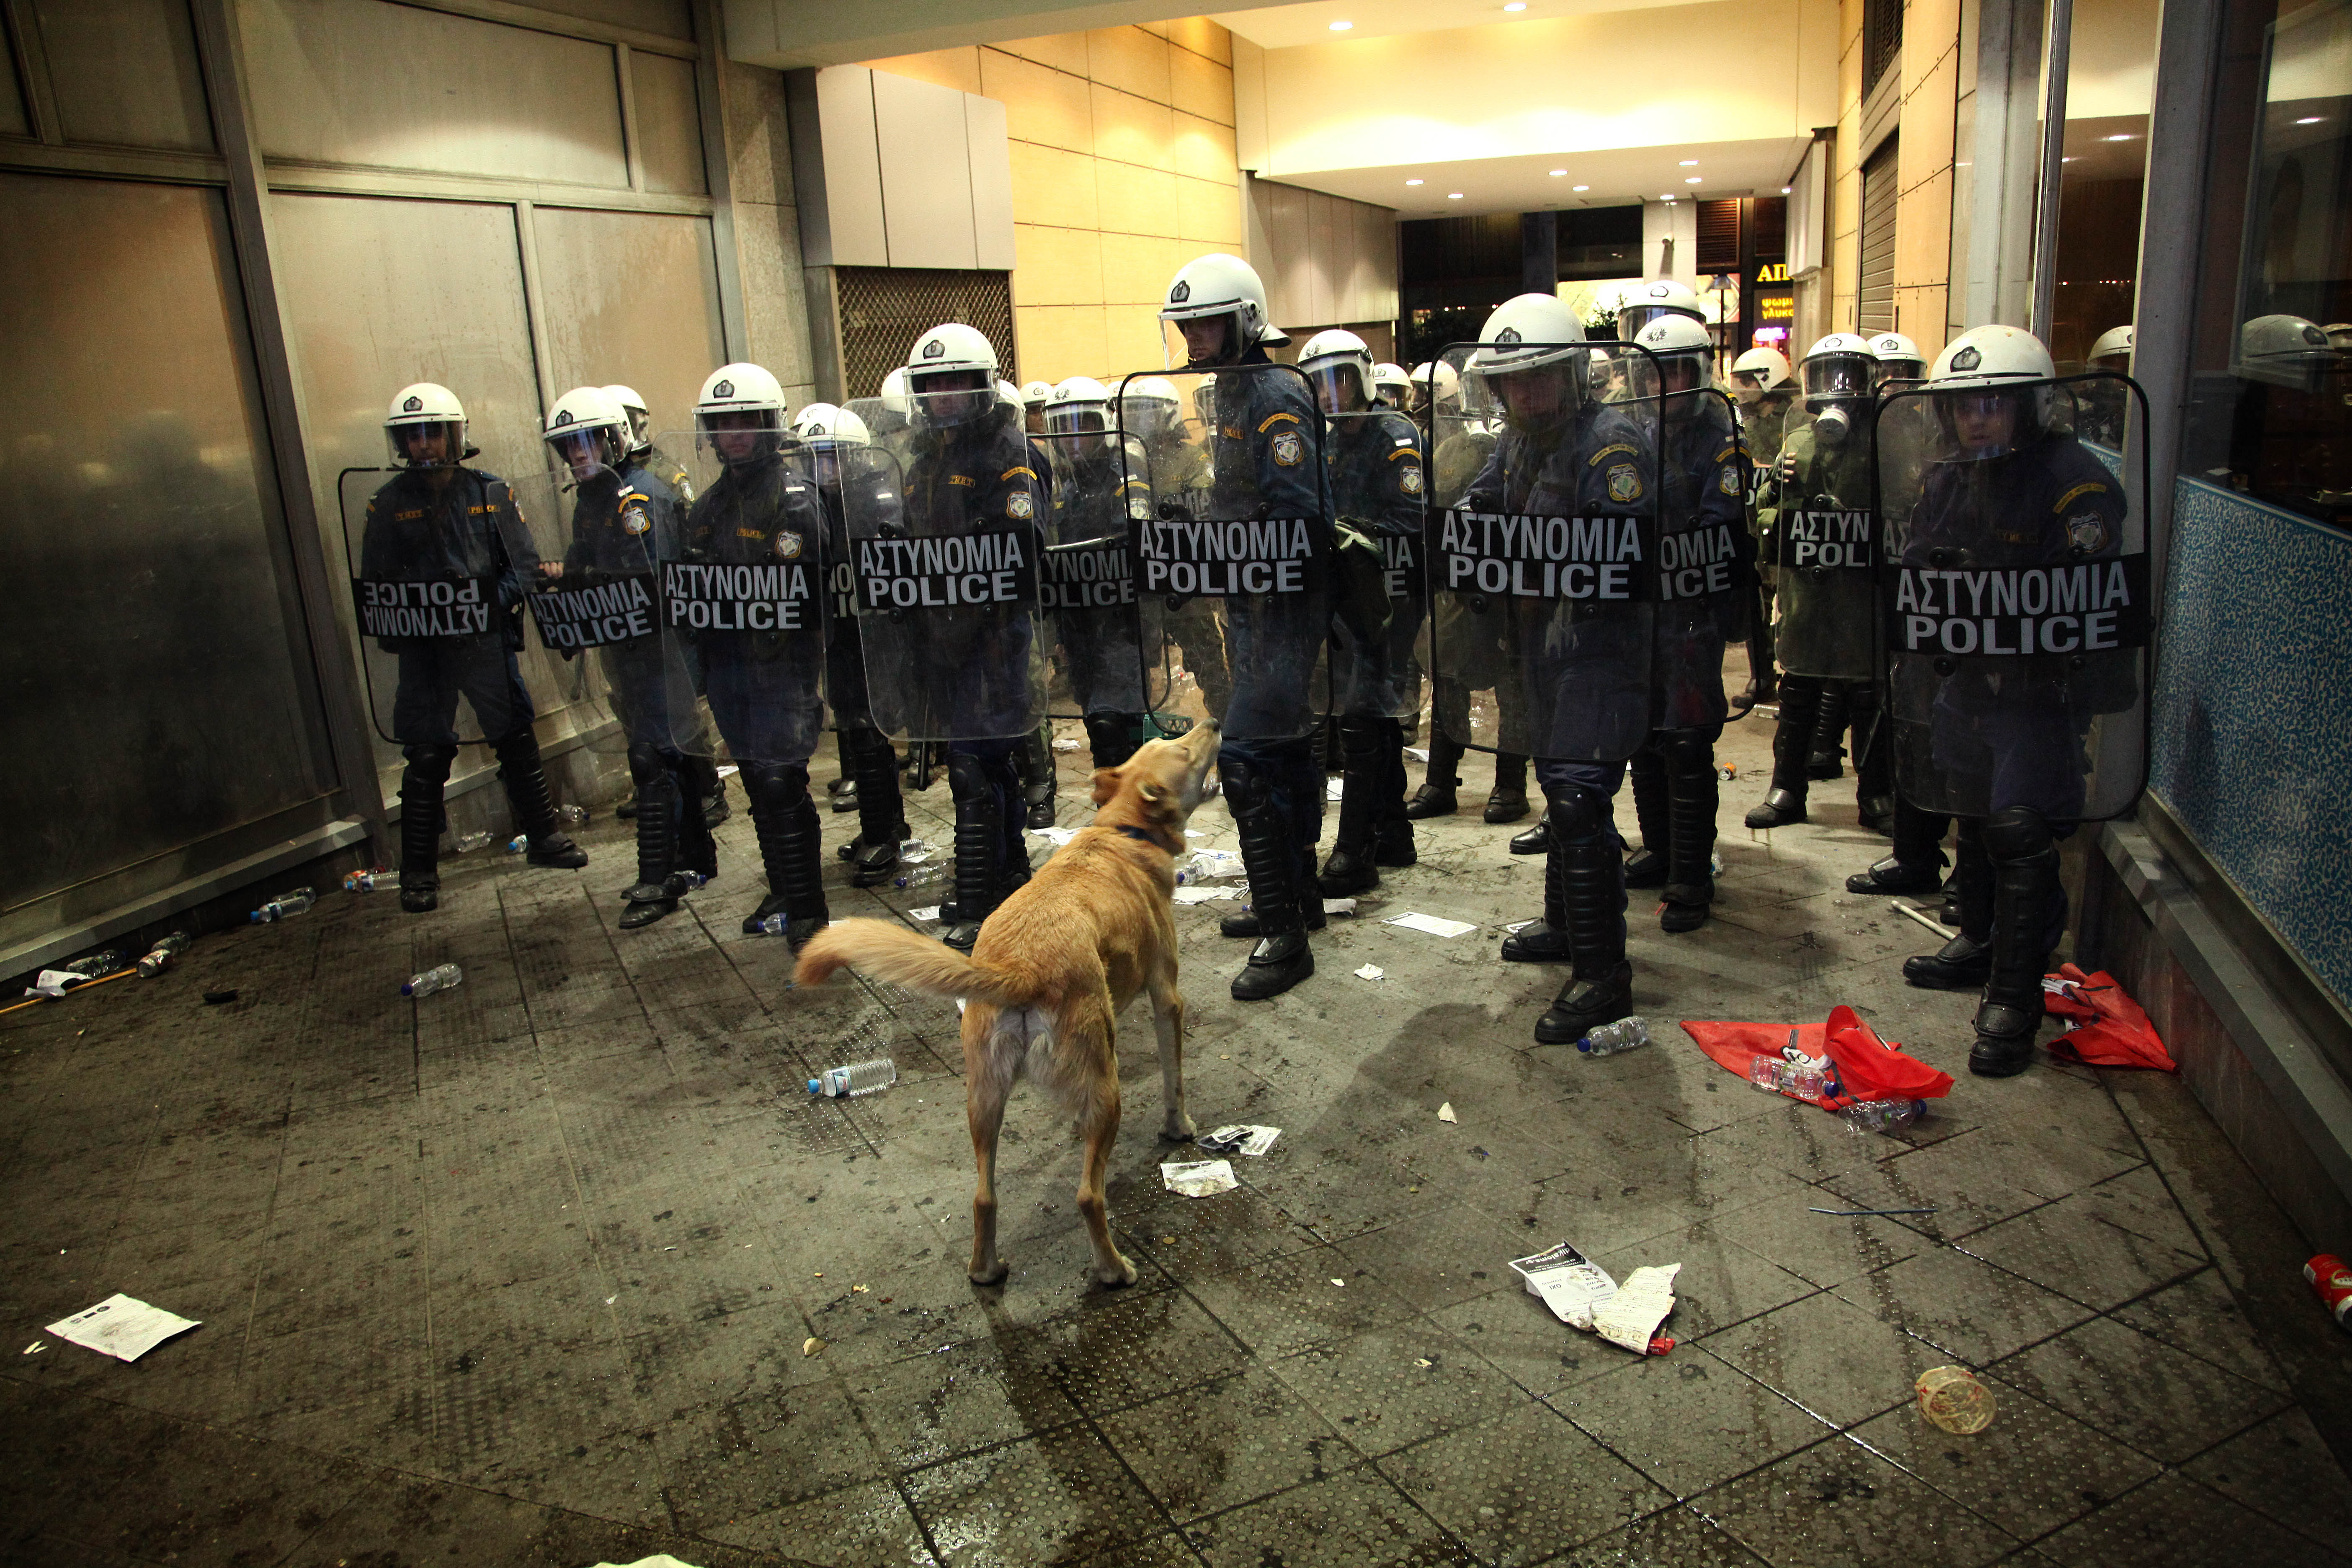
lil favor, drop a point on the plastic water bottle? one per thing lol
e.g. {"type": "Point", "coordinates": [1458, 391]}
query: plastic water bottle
{"type": "Point", "coordinates": [1609, 1039]}
{"type": "Point", "coordinates": [923, 876]}
{"type": "Point", "coordinates": [859, 1078]}
{"type": "Point", "coordinates": [97, 966]}
{"type": "Point", "coordinates": [1766, 1072]}
{"type": "Point", "coordinates": [285, 906]}
{"type": "Point", "coordinates": [441, 977]}
{"type": "Point", "coordinates": [1882, 1115]}
{"type": "Point", "coordinates": [163, 954]}
{"type": "Point", "coordinates": [572, 815]}
{"type": "Point", "coordinates": [470, 842]}
{"type": "Point", "coordinates": [369, 881]}
{"type": "Point", "coordinates": [519, 845]}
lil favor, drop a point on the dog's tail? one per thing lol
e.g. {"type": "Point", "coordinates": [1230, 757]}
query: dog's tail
{"type": "Point", "coordinates": [920, 963]}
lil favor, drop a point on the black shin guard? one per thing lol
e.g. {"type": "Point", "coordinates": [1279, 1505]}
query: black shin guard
{"type": "Point", "coordinates": [786, 821]}
{"type": "Point", "coordinates": [979, 839]}
{"type": "Point", "coordinates": [1592, 897]}
{"type": "Point", "coordinates": [1270, 858]}
{"type": "Point", "coordinates": [421, 784]}
{"type": "Point", "coordinates": [2027, 905]}
{"type": "Point", "coordinates": [1692, 797]}
{"type": "Point", "coordinates": [881, 810]}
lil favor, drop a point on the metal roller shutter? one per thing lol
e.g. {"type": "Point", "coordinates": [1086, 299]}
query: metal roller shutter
{"type": "Point", "coordinates": [1875, 306]}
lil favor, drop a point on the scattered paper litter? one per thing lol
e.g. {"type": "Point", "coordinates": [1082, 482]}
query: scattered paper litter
{"type": "Point", "coordinates": [1418, 753]}
{"type": "Point", "coordinates": [1240, 1138]}
{"type": "Point", "coordinates": [1517, 926]}
{"type": "Point", "coordinates": [658, 1560]}
{"type": "Point", "coordinates": [1199, 1178]}
{"type": "Point", "coordinates": [1058, 835]}
{"type": "Point", "coordinates": [1371, 972]}
{"type": "Point", "coordinates": [1214, 863]}
{"type": "Point", "coordinates": [1332, 787]}
{"type": "Point", "coordinates": [37, 1347]}
{"type": "Point", "coordinates": [55, 982]}
{"type": "Point", "coordinates": [914, 856]}
{"type": "Point", "coordinates": [1194, 833]}
{"type": "Point", "coordinates": [1065, 744]}
{"type": "Point", "coordinates": [928, 912]}
{"type": "Point", "coordinates": [1630, 1317]}
{"type": "Point", "coordinates": [120, 1327]}
{"type": "Point", "coordinates": [1339, 906]}
{"type": "Point", "coordinates": [1567, 1282]}
{"type": "Point", "coordinates": [1435, 925]}
{"type": "Point", "coordinates": [1196, 893]}
{"type": "Point", "coordinates": [728, 772]}
{"type": "Point", "coordinates": [1340, 1282]}
{"type": "Point", "coordinates": [1445, 1113]}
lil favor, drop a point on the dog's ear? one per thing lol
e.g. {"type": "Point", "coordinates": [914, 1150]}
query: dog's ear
{"type": "Point", "coordinates": [1105, 785]}
{"type": "Point", "coordinates": [1159, 804]}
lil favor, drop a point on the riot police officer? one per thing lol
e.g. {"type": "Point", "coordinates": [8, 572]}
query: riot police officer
{"type": "Point", "coordinates": [1391, 387]}
{"type": "Point", "coordinates": [1583, 653]}
{"type": "Point", "coordinates": [1816, 504]}
{"type": "Point", "coordinates": [438, 520]}
{"type": "Point", "coordinates": [1899, 359]}
{"type": "Point", "coordinates": [1647, 302]}
{"type": "Point", "coordinates": [1035, 396]}
{"type": "Point", "coordinates": [2003, 509]}
{"type": "Point", "coordinates": [766, 652]}
{"type": "Point", "coordinates": [623, 520]}
{"type": "Point", "coordinates": [1760, 384]}
{"type": "Point", "coordinates": [1264, 462]}
{"type": "Point", "coordinates": [1098, 490]}
{"type": "Point", "coordinates": [833, 443]}
{"type": "Point", "coordinates": [1374, 455]}
{"type": "Point", "coordinates": [1151, 416]}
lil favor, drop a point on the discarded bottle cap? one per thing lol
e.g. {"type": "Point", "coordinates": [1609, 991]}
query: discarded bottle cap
{"type": "Point", "coordinates": [1950, 1397]}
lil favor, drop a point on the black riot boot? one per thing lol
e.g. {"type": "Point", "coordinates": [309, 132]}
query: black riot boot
{"type": "Point", "coordinates": [520, 771]}
{"type": "Point", "coordinates": [2029, 912]}
{"type": "Point", "coordinates": [1545, 940]}
{"type": "Point", "coordinates": [979, 840]}
{"type": "Point", "coordinates": [1508, 800]}
{"type": "Point", "coordinates": [1646, 866]}
{"type": "Point", "coordinates": [787, 823]}
{"type": "Point", "coordinates": [661, 807]}
{"type": "Point", "coordinates": [706, 789]}
{"type": "Point", "coordinates": [1826, 757]}
{"type": "Point", "coordinates": [1281, 957]}
{"type": "Point", "coordinates": [1351, 869]}
{"type": "Point", "coordinates": [1763, 683]}
{"type": "Point", "coordinates": [873, 855]}
{"type": "Point", "coordinates": [1965, 963]}
{"type": "Point", "coordinates": [1692, 796]}
{"type": "Point", "coordinates": [1874, 759]}
{"type": "Point", "coordinates": [1916, 867]}
{"type": "Point", "coordinates": [1435, 797]}
{"type": "Point", "coordinates": [1592, 890]}
{"type": "Point", "coordinates": [1110, 737]}
{"type": "Point", "coordinates": [421, 785]}
{"type": "Point", "coordinates": [1034, 756]}
{"type": "Point", "coordinates": [1793, 744]}
{"type": "Point", "coordinates": [1392, 844]}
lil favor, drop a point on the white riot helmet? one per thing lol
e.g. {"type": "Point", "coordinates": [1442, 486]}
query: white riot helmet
{"type": "Point", "coordinates": [1836, 374]}
{"type": "Point", "coordinates": [1222, 285]}
{"type": "Point", "coordinates": [1036, 395]}
{"type": "Point", "coordinates": [1391, 382]}
{"type": "Point", "coordinates": [1528, 334]}
{"type": "Point", "coordinates": [1081, 406]}
{"type": "Point", "coordinates": [952, 377]}
{"type": "Point", "coordinates": [2004, 366]}
{"type": "Point", "coordinates": [1150, 407]}
{"type": "Point", "coordinates": [893, 393]}
{"type": "Point", "coordinates": [1439, 386]}
{"type": "Point", "coordinates": [587, 430]}
{"type": "Point", "coordinates": [1678, 348]}
{"type": "Point", "coordinates": [1009, 396]}
{"type": "Point", "coordinates": [736, 398]}
{"type": "Point", "coordinates": [641, 424]}
{"type": "Point", "coordinates": [1758, 372]}
{"type": "Point", "coordinates": [1899, 358]}
{"type": "Point", "coordinates": [823, 427]}
{"type": "Point", "coordinates": [1339, 364]}
{"type": "Point", "coordinates": [2285, 350]}
{"type": "Point", "coordinates": [2115, 342]}
{"type": "Point", "coordinates": [422, 406]}
{"type": "Point", "coordinates": [1645, 303]}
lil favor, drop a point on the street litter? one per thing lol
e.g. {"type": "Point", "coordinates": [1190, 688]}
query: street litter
{"type": "Point", "coordinates": [1339, 906]}
{"type": "Point", "coordinates": [1858, 1213]}
{"type": "Point", "coordinates": [730, 771]}
{"type": "Point", "coordinates": [440, 977]}
{"type": "Point", "coordinates": [1199, 1178]}
{"type": "Point", "coordinates": [1516, 927]}
{"type": "Point", "coordinates": [283, 906]}
{"type": "Point", "coordinates": [1445, 1113]}
{"type": "Point", "coordinates": [858, 1077]}
{"type": "Point", "coordinates": [1608, 1039]}
{"type": "Point", "coordinates": [659, 1559]}
{"type": "Point", "coordinates": [1331, 789]}
{"type": "Point", "coordinates": [2104, 1027]}
{"type": "Point", "coordinates": [163, 954]}
{"type": "Point", "coordinates": [1835, 1065]}
{"type": "Point", "coordinates": [928, 912]}
{"type": "Point", "coordinates": [1567, 1282]}
{"type": "Point", "coordinates": [913, 852]}
{"type": "Point", "coordinates": [369, 881]}
{"type": "Point", "coordinates": [1952, 1398]}
{"type": "Point", "coordinates": [2331, 1281]}
{"type": "Point", "coordinates": [1918, 912]}
{"type": "Point", "coordinates": [37, 1347]}
{"type": "Point", "coordinates": [1065, 744]}
{"type": "Point", "coordinates": [1239, 1139]}
{"type": "Point", "coordinates": [1370, 971]}
{"type": "Point", "coordinates": [1059, 835]}
{"type": "Point", "coordinates": [1580, 1294]}
{"type": "Point", "coordinates": [1199, 894]}
{"type": "Point", "coordinates": [1208, 864]}
{"type": "Point", "coordinates": [120, 1327]}
{"type": "Point", "coordinates": [1630, 1318]}
{"type": "Point", "coordinates": [1435, 925]}
{"type": "Point", "coordinates": [1418, 753]}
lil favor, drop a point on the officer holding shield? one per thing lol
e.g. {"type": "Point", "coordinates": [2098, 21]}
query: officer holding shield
{"type": "Point", "coordinates": [437, 519]}
{"type": "Point", "coordinates": [1090, 581]}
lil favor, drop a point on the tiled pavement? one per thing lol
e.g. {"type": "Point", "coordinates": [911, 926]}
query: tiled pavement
{"type": "Point", "coordinates": [523, 1273]}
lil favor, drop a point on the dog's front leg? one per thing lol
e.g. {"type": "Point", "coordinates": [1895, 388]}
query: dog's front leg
{"type": "Point", "coordinates": [1168, 1022]}
{"type": "Point", "coordinates": [985, 1110]}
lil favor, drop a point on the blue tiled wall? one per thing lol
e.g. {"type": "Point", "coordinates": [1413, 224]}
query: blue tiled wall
{"type": "Point", "coordinates": [2252, 738]}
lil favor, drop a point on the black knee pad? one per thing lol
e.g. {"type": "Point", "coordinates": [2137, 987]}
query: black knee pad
{"type": "Point", "coordinates": [780, 786]}
{"type": "Point", "coordinates": [1248, 786]}
{"type": "Point", "coordinates": [2016, 832]}
{"type": "Point", "coordinates": [1686, 752]}
{"type": "Point", "coordinates": [430, 763]}
{"type": "Point", "coordinates": [968, 776]}
{"type": "Point", "coordinates": [646, 763]}
{"type": "Point", "coordinates": [1576, 813]}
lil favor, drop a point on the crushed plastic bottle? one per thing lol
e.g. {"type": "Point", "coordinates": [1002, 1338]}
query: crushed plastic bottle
{"type": "Point", "coordinates": [285, 906]}
{"type": "Point", "coordinates": [858, 1077]}
{"type": "Point", "coordinates": [1882, 1115]}
{"type": "Point", "coordinates": [470, 842]}
{"type": "Point", "coordinates": [1608, 1039]}
{"type": "Point", "coordinates": [1808, 1077]}
{"type": "Point", "coordinates": [369, 881]}
{"type": "Point", "coordinates": [923, 876]}
{"type": "Point", "coordinates": [519, 845]}
{"type": "Point", "coordinates": [97, 966]}
{"type": "Point", "coordinates": [164, 953]}
{"type": "Point", "coordinates": [440, 977]}
{"type": "Point", "coordinates": [571, 816]}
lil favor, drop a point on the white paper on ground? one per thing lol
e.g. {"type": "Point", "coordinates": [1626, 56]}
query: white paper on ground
{"type": "Point", "coordinates": [1214, 863]}
{"type": "Point", "coordinates": [1435, 925]}
{"type": "Point", "coordinates": [1630, 1317]}
{"type": "Point", "coordinates": [1199, 1178]}
{"type": "Point", "coordinates": [914, 856]}
{"type": "Point", "coordinates": [1331, 789]}
{"type": "Point", "coordinates": [1371, 972]}
{"type": "Point", "coordinates": [55, 982]}
{"type": "Point", "coordinates": [1064, 744]}
{"type": "Point", "coordinates": [1339, 906]}
{"type": "Point", "coordinates": [120, 1327]}
{"type": "Point", "coordinates": [929, 912]}
{"type": "Point", "coordinates": [728, 771]}
{"type": "Point", "coordinates": [1567, 1281]}
{"type": "Point", "coordinates": [658, 1560]}
{"type": "Point", "coordinates": [1445, 1113]}
{"type": "Point", "coordinates": [1058, 835]}
{"type": "Point", "coordinates": [1194, 833]}
{"type": "Point", "coordinates": [1201, 893]}
{"type": "Point", "coordinates": [1241, 1138]}
{"type": "Point", "coordinates": [1418, 753]}
{"type": "Point", "coordinates": [1517, 926]}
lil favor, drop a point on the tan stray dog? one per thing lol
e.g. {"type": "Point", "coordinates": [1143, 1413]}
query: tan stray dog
{"type": "Point", "coordinates": [1054, 967]}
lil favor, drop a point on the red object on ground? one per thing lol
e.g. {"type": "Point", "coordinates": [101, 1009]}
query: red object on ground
{"type": "Point", "coordinates": [1867, 1066]}
{"type": "Point", "coordinates": [1660, 1344]}
{"type": "Point", "coordinates": [2333, 1284]}
{"type": "Point", "coordinates": [2107, 1028]}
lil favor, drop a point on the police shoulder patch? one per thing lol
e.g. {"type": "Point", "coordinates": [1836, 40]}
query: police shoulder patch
{"type": "Point", "coordinates": [1610, 451]}
{"type": "Point", "coordinates": [788, 545]}
{"type": "Point", "coordinates": [1288, 449]}
{"type": "Point", "coordinates": [1410, 480]}
{"type": "Point", "coordinates": [1275, 418]}
{"type": "Point", "coordinates": [634, 519]}
{"type": "Point", "coordinates": [1625, 483]}
{"type": "Point", "coordinates": [1018, 474]}
{"type": "Point", "coordinates": [2088, 532]}
{"type": "Point", "coordinates": [1019, 506]}
{"type": "Point", "coordinates": [1728, 482]}
{"type": "Point", "coordinates": [1138, 509]}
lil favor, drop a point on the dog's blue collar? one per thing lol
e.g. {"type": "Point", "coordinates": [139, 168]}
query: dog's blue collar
{"type": "Point", "coordinates": [1144, 833]}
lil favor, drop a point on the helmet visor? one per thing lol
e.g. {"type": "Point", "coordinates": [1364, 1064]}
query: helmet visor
{"type": "Point", "coordinates": [586, 450]}
{"type": "Point", "coordinates": [1838, 375]}
{"type": "Point", "coordinates": [426, 443]}
{"type": "Point", "coordinates": [1633, 318]}
{"type": "Point", "coordinates": [738, 434]}
{"type": "Point", "coordinates": [948, 397]}
{"type": "Point", "coordinates": [1672, 374]}
{"type": "Point", "coordinates": [1145, 419]}
{"type": "Point", "coordinates": [1901, 369]}
{"type": "Point", "coordinates": [1339, 385]}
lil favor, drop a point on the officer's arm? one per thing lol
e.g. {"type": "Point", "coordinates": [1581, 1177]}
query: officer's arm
{"type": "Point", "coordinates": [1289, 461]}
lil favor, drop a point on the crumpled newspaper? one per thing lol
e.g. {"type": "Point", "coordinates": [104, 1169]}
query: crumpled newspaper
{"type": "Point", "coordinates": [1199, 1178]}
{"type": "Point", "coordinates": [1567, 1282]}
{"type": "Point", "coordinates": [1630, 1318]}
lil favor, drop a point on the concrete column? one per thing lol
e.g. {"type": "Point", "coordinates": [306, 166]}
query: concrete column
{"type": "Point", "coordinates": [1539, 253]}
{"type": "Point", "coordinates": [2007, 156]}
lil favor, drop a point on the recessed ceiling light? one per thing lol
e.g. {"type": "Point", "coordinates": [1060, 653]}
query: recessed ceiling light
{"type": "Point", "coordinates": [2065, 160]}
{"type": "Point", "coordinates": [1665, 196]}
{"type": "Point", "coordinates": [1556, 174]}
{"type": "Point", "coordinates": [1342, 27]}
{"type": "Point", "coordinates": [1516, 5]}
{"type": "Point", "coordinates": [1412, 182]}
{"type": "Point", "coordinates": [2311, 120]}
{"type": "Point", "coordinates": [1693, 180]}
{"type": "Point", "coordinates": [2124, 136]}
{"type": "Point", "coordinates": [1453, 195]}
{"type": "Point", "coordinates": [1580, 187]}
{"type": "Point", "coordinates": [1784, 190]}
{"type": "Point", "coordinates": [1690, 162]}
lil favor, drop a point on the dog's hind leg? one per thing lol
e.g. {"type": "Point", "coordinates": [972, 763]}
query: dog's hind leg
{"type": "Point", "coordinates": [987, 1083]}
{"type": "Point", "coordinates": [1100, 1122]}
{"type": "Point", "coordinates": [1168, 1022]}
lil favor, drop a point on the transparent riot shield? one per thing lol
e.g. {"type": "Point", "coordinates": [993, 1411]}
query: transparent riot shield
{"type": "Point", "coordinates": [1379, 488]}
{"type": "Point", "coordinates": [1819, 512]}
{"type": "Point", "coordinates": [945, 553]}
{"type": "Point", "coordinates": [2015, 598]}
{"type": "Point", "coordinates": [1706, 585]}
{"type": "Point", "coordinates": [744, 593]}
{"type": "Point", "coordinates": [1234, 557]}
{"type": "Point", "coordinates": [436, 596]}
{"type": "Point", "coordinates": [596, 543]}
{"type": "Point", "coordinates": [1087, 580]}
{"type": "Point", "coordinates": [1542, 541]}
{"type": "Point", "coordinates": [886, 426]}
